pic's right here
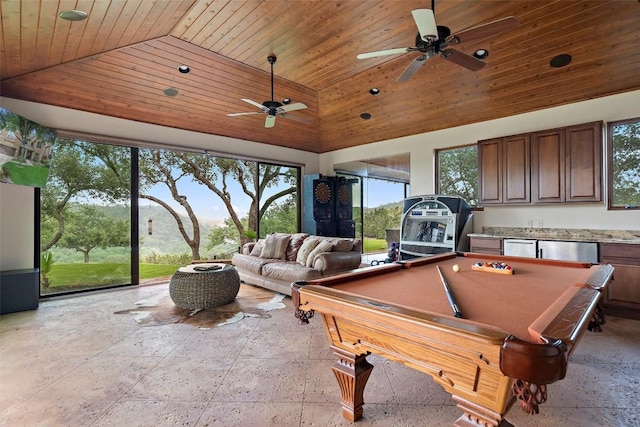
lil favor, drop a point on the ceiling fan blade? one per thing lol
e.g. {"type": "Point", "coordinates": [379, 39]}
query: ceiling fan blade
{"type": "Point", "coordinates": [426, 23]}
{"type": "Point", "coordinates": [485, 30]}
{"type": "Point", "coordinates": [462, 59]}
{"type": "Point", "coordinates": [385, 52]}
{"type": "Point", "coordinates": [298, 118]}
{"type": "Point", "coordinates": [244, 114]}
{"type": "Point", "coordinates": [292, 107]}
{"type": "Point", "coordinates": [254, 103]}
{"type": "Point", "coordinates": [270, 121]}
{"type": "Point", "coordinates": [413, 67]}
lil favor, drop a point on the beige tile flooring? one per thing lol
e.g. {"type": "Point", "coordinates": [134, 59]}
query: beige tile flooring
{"type": "Point", "coordinates": [73, 362]}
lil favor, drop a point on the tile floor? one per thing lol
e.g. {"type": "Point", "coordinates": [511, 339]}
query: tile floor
{"type": "Point", "coordinates": [74, 363]}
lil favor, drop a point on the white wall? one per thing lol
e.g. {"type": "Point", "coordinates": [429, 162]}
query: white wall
{"type": "Point", "coordinates": [16, 227]}
{"type": "Point", "coordinates": [422, 147]}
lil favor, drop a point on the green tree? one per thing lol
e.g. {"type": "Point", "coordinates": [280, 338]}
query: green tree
{"type": "Point", "coordinates": [226, 233]}
{"type": "Point", "coordinates": [280, 217]}
{"type": "Point", "coordinates": [102, 172]}
{"type": "Point", "coordinates": [88, 228]}
{"type": "Point", "coordinates": [254, 178]}
{"type": "Point", "coordinates": [626, 158]}
{"type": "Point", "coordinates": [81, 169]}
{"type": "Point", "coordinates": [378, 220]}
{"type": "Point", "coordinates": [458, 172]}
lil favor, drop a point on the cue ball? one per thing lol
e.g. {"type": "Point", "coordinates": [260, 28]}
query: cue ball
{"type": "Point", "coordinates": [456, 267]}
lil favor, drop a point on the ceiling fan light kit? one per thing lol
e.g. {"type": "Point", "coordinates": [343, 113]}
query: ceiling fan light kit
{"type": "Point", "coordinates": [481, 53]}
{"type": "Point", "coordinates": [435, 40]}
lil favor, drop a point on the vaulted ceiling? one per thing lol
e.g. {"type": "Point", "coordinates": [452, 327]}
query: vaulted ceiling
{"type": "Point", "coordinates": [121, 60]}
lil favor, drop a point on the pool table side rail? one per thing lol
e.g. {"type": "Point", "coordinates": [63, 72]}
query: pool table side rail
{"type": "Point", "coordinates": [310, 298]}
{"type": "Point", "coordinates": [567, 320]}
{"type": "Point", "coordinates": [491, 257]}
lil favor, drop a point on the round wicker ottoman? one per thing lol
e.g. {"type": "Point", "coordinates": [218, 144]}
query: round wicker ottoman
{"type": "Point", "coordinates": [207, 285]}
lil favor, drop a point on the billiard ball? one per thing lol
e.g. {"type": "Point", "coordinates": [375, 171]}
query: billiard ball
{"type": "Point", "coordinates": [456, 267]}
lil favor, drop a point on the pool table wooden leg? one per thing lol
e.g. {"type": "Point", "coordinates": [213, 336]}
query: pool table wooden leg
{"type": "Point", "coordinates": [477, 416]}
{"type": "Point", "coordinates": [352, 373]}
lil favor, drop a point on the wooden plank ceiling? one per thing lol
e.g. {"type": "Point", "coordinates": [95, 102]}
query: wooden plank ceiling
{"type": "Point", "coordinates": [120, 60]}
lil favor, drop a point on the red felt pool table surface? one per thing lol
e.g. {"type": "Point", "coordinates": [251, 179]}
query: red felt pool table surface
{"type": "Point", "coordinates": [506, 302]}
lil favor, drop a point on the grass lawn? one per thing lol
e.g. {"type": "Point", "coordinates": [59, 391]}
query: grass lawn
{"type": "Point", "coordinates": [82, 276]}
{"type": "Point", "coordinates": [77, 276]}
{"type": "Point", "coordinates": [374, 245]}
{"type": "Point", "coordinates": [23, 174]}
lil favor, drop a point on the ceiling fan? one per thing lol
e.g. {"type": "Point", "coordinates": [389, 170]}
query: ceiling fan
{"type": "Point", "coordinates": [435, 39]}
{"type": "Point", "coordinates": [272, 108]}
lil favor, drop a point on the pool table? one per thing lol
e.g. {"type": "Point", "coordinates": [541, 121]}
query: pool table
{"type": "Point", "coordinates": [514, 336]}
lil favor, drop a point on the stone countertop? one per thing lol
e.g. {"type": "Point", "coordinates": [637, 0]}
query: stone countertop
{"type": "Point", "coordinates": [562, 234]}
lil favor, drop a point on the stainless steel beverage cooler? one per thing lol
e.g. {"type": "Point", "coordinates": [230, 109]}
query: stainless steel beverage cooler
{"type": "Point", "coordinates": [434, 224]}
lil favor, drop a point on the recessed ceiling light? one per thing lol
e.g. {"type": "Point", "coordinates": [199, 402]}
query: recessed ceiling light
{"type": "Point", "coordinates": [365, 116]}
{"type": "Point", "coordinates": [561, 60]}
{"type": "Point", "coordinates": [481, 53]}
{"type": "Point", "coordinates": [73, 15]}
{"type": "Point", "coordinates": [184, 69]}
{"type": "Point", "coordinates": [374, 91]}
{"type": "Point", "coordinates": [170, 91]}
{"type": "Point", "coordinates": [286, 101]}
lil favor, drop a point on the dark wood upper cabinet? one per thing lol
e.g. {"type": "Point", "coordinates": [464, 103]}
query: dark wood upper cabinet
{"type": "Point", "coordinates": [566, 164]}
{"type": "Point", "coordinates": [583, 168]}
{"type": "Point", "coordinates": [490, 173]}
{"type": "Point", "coordinates": [551, 166]}
{"type": "Point", "coordinates": [516, 184]}
{"type": "Point", "coordinates": [548, 165]}
{"type": "Point", "coordinates": [504, 175]}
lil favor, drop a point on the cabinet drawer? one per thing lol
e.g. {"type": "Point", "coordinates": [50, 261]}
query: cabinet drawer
{"type": "Point", "coordinates": [479, 244]}
{"type": "Point", "coordinates": [620, 253]}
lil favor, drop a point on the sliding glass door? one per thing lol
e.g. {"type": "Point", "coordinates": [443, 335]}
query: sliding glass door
{"type": "Point", "coordinates": [113, 215]}
{"type": "Point", "coordinates": [85, 218]}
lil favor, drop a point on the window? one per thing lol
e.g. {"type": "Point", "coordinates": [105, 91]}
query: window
{"type": "Point", "coordinates": [457, 172]}
{"type": "Point", "coordinates": [95, 232]}
{"type": "Point", "coordinates": [624, 158]}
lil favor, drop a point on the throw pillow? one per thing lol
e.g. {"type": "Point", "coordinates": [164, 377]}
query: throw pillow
{"type": "Point", "coordinates": [323, 246]}
{"type": "Point", "coordinates": [342, 245]}
{"type": "Point", "coordinates": [307, 246]}
{"type": "Point", "coordinates": [257, 248]}
{"type": "Point", "coordinates": [275, 247]}
{"type": "Point", "coordinates": [297, 239]}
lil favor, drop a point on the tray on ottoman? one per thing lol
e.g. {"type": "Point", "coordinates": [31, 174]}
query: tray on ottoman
{"type": "Point", "coordinates": [206, 285]}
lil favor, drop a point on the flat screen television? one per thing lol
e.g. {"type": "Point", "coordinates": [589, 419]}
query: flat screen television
{"type": "Point", "coordinates": [26, 148]}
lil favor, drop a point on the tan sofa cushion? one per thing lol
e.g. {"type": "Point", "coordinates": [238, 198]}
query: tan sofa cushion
{"type": "Point", "coordinates": [307, 246]}
{"type": "Point", "coordinates": [249, 263]}
{"type": "Point", "coordinates": [323, 246]}
{"type": "Point", "coordinates": [275, 246]}
{"type": "Point", "coordinates": [289, 271]}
